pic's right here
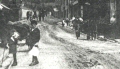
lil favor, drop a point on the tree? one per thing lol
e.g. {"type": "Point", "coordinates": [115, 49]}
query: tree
{"type": "Point", "coordinates": [96, 9]}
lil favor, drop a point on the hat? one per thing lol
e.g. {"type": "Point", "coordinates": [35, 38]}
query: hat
{"type": "Point", "coordinates": [80, 19]}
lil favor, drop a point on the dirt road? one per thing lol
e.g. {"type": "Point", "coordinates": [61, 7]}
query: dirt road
{"type": "Point", "coordinates": [59, 49]}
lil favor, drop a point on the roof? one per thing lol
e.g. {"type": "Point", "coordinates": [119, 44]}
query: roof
{"type": "Point", "coordinates": [3, 6]}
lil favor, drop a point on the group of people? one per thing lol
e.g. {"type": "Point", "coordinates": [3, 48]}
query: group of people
{"type": "Point", "coordinates": [88, 26]}
{"type": "Point", "coordinates": [32, 41]}
{"type": "Point", "coordinates": [40, 16]}
{"type": "Point", "coordinates": [76, 22]}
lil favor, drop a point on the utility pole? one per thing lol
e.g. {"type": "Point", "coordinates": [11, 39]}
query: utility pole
{"type": "Point", "coordinates": [65, 8]}
{"type": "Point", "coordinates": [68, 8]}
{"type": "Point", "coordinates": [81, 3]}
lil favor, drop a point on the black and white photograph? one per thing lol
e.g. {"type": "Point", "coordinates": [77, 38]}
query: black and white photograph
{"type": "Point", "coordinates": [59, 34]}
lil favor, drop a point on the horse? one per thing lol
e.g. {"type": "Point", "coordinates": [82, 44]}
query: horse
{"type": "Point", "coordinates": [5, 31]}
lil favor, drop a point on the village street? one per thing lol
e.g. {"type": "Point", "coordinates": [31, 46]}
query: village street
{"type": "Point", "coordinates": [59, 49]}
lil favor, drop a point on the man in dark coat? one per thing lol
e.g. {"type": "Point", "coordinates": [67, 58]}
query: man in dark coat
{"type": "Point", "coordinates": [43, 14]}
{"type": "Point", "coordinates": [28, 14]}
{"type": "Point", "coordinates": [87, 28]}
{"type": "Point", "coordinates": [67, 21]}
{"type": "Point", "coordinates": [76, 26]}
{"type": "Point", "coordinates": [40, 15]}
{"type": "Point", "coordinates": [34, 37]}
{"type": "Point", "coordinates": [35, 14]}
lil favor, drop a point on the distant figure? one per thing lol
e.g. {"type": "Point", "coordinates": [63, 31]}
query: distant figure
{"type": "Point", "coordinates": [88, 27]}
{"type": "Point", "coordinates": [34, 15]}
{"type": "Point", "coordinates": [31, 16]}
{"type": "Point", "coordinates": [71, 22]}
{"type": "Point", "coordinates": [64, 24]}
{"type": "Point", "coordinates": [40, 15]}
{"type": "Point", "coordinates": [91, 29]}
{"type": "Point", "coordinates": [43, 14]}
{"type": "Point", "coordinates": [76, 26]}
{"type": "Point", "coordinates": [28, 15]}
{"type": "Point", "coordinates": [67, 21]}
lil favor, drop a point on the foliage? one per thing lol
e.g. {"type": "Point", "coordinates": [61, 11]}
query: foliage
{"type": "Point", "coordinates": [42, 1]}
{"type": "Point", "coordinates": [105, 20]}
{"type": "Point", "coordinates": [96, 10]}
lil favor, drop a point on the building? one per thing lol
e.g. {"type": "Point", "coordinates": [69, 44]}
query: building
{"type": "Point", "coordinates": [14, 5]}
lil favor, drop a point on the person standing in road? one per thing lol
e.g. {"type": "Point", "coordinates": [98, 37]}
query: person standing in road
{"type": "Point", "coordinates": [43, 14]}
{"type": "Point", "coordinates": [28, 14]}
{"type": "Point", "coordinates": [76, 26]}
{"type": "Point", "coordinates": [35, 14]}
{"type": "Point", "coordinates": [12, 44]}
{"type": "Point", "coordinates": [40, 15]}
{"type": "Point", "coordinates": [34, 38]}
